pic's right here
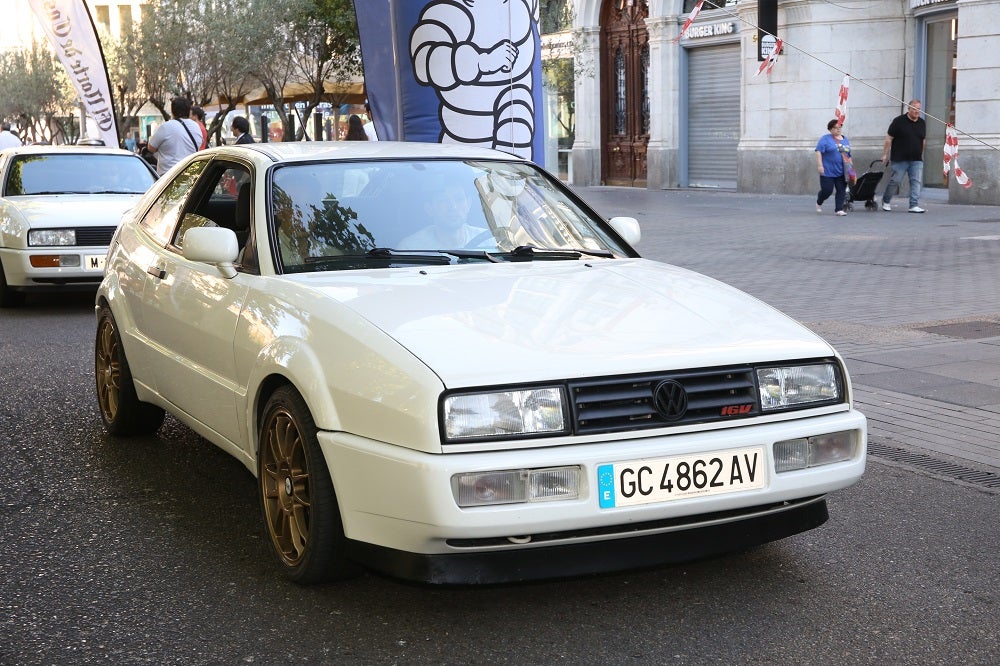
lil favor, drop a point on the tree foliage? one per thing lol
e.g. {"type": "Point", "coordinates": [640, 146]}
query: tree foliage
{"type": "Point", "coordinates": [209, 51]}
{"type": "Point", "coordinates": [35, 91]}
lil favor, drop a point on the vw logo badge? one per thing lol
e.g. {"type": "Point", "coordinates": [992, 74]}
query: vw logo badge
{"type": "Point", "coordinates": [670, 400]}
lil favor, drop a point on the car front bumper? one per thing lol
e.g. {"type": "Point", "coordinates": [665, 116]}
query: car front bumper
{"type": "Point", "coordinates": [400, 513]}
{"type": "Point", "coordinates": [31, 269]}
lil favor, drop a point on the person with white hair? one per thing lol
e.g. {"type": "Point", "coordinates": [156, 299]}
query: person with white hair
{"type": "Point", "coordinates": [7, 138]}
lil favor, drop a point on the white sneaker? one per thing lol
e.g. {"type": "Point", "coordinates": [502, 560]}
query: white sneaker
{"type": "Point", "coordinates": [886, 207]}
{"type": "Point", "coordinates": [819, 209]}
{"type": "Point", "coordinates": [841, 213]}
{"type": "Point", "coordinates": [916, 209]}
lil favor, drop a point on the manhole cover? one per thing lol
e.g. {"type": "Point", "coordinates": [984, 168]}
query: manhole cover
{"type": "Point", "coordinates": [966, 330]}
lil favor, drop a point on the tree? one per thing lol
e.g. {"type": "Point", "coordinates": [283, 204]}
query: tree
{"type": "Point", "coordinates": [35, 89]}
{"type": "Point", "coordinates": [122, 59]}
{"type": "Point", "coordinates": [316, 41]}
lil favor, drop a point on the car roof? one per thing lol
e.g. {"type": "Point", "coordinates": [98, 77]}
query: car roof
{"type": "Point", "coordinates": [300, 151]}
{"type": "Point", "coordinates": [66, 149]}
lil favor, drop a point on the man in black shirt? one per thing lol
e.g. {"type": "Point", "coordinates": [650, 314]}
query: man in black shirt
{"type": "Point", "coordinates": [904, 147]}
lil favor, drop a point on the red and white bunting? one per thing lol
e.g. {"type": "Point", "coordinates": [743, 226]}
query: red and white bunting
{"type": "Point", "coordinates": [840, 113]}
{"type": "Point", "coordinates": [951, 158]}
{"type": "Point", "coordinates": [769, 61]}
{"type": "Point", "coordinates": [690, 19]}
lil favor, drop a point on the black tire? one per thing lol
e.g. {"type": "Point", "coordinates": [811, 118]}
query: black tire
{"type": "Point", "coordinates": [8, 297]}
{"type": "Point", "coordinates": [121, 410]}
{"type": "Point", "coordinates": [298, 504]}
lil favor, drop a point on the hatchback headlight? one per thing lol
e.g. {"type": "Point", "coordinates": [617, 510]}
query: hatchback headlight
{"type": "Point", "coordinates": [49, 237]}
{"type": "Point", "coordinates": [523, 412]}
{"type": "Point", "coordinates": [798, 385]}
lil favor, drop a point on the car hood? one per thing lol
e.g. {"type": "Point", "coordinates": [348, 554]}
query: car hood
{"type": "Point", "coordinates": [496, 323]}
{"type": "Point", "coordinates": [73, 210]}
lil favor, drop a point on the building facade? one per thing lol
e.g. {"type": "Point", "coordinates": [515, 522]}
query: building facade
{"type": "Point", "coordinates": [654, 111]}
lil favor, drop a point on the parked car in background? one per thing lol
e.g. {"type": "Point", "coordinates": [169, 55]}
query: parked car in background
{"type": "Point", "coordinates": [439, 363]}
{"type": "Point", "coordinates": [59, 207]}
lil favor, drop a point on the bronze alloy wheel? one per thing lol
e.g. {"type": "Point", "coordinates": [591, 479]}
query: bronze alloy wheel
{"type": "Point", "coordinates": [285, 486]}
{"type": "Point", "coordinates": [297, 497]}
{"type": "Point", "coordinates": [121, 410]}
{"type": "Point", "coordinates": [107, 369]}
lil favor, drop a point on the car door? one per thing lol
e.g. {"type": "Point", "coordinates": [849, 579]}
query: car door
{"type": "Point", "coordinates": [190, 312]}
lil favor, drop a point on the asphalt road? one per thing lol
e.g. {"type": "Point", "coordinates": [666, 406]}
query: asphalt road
{"type": "Point", "coordinates": [149, 551]}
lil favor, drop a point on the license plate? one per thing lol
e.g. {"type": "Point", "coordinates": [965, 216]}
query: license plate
{"type": "Point", "coordinates": [93, 262]}
{"type": "Point", "coordinates": [677, 477]}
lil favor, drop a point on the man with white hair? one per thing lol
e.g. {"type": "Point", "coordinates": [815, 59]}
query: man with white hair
{"type": "Point", "coordinates": [7, 138]}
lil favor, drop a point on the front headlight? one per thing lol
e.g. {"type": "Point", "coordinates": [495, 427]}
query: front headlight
{"type": "Point", "coordinates": [532, 411]}
{"type": "Point", "coordinates": [50, 237]}
{"type": "Point", "coordinates": [797, 386]}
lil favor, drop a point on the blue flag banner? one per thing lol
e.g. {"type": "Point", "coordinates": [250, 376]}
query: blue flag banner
{"type": "Point", "coordinates": [455, 71]}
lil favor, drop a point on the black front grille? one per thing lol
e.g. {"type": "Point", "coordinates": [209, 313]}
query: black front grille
{"type": "Point", "coordinates": [627, 403]}
{"type": "Point", "coordinates": [95, 235]}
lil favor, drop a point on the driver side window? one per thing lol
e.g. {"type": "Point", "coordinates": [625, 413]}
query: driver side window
{"type": "Point", "coordinates": [161, 218]}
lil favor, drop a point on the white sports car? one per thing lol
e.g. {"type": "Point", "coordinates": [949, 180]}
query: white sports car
{"type": "Point", "coordinates": [59, 207]}
{"type": "Point", "coordinates": [440, 364]}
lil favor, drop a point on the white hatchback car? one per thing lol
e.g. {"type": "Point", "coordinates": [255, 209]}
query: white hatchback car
{"type": "Point", "coordinates": [439, 363]}
{"type": "Point", "coordinates": [59, 207]}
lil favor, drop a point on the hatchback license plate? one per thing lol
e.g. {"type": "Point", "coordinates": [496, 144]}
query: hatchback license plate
{"type": "Point", "coordinates": [664, 479]}
{"type": "Point", "coordinates": [93, 262]}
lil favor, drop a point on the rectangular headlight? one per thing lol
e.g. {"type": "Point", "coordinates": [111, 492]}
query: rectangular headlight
{"type": "Point", "coordinates": [516, 486]}
{"type": "Point", "coordinates": [533, 411]}
{"type": "Point", "coordinates": [793, 454]}
{"type": "Point", "coordinates": [798, 385]}
{"type": "Point", "coordinates": [49, 237]}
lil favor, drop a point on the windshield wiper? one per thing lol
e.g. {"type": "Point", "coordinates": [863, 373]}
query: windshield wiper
{"type": "Point", "coordinates": [384, 256]}
{"type": "Point", "coordinates": [530, 252]}
{"type": "Point", "coordinates": [50, 192]}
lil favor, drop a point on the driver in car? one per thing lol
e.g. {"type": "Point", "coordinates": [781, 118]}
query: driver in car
{"type": "Point", "coordinates": [448, 210]}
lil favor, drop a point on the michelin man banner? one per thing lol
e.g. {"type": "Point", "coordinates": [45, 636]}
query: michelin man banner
{"type": "Point", "coordinates": [454, 71]}
{"type": "Point", "coordinates": [71, 33]}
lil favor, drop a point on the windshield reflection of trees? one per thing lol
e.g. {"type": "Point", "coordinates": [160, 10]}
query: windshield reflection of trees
{"type": "Point", "coordinates": [36, 174]}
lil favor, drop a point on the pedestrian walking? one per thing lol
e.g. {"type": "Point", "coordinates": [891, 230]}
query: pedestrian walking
{"type": "Point", "coordinates": [904, 150]}
{"type": "Point", "coordinates": [833, 158]}
{"type": "Point", "coordinates": [175, 139]}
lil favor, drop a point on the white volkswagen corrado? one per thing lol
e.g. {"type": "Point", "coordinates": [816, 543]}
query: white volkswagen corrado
{"type": "Point", "coordinates": [59, 207]}
{"type": "Point", "coordinates": [440, 364]}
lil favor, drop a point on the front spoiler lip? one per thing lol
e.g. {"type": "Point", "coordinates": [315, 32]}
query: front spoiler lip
{"type": "Point", "coordinates": [672, 546]}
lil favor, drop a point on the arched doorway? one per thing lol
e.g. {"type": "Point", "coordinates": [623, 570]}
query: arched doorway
{"type": "Point", "coordinates": [624, 92]}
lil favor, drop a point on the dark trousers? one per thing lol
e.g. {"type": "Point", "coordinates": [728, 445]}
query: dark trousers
{"type": "Point", "coordinates": [826, 186]}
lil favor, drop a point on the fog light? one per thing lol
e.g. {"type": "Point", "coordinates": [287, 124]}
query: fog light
{"type": "Point", "coordinates": [516, 486]}
{"type": "Point", "coordinates": [793, 454]}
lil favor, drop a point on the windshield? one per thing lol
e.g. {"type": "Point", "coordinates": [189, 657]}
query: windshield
{"type": "Point", "coordinates": [345, 215]}
{"type": "Point", "coordinates": [77, 174]}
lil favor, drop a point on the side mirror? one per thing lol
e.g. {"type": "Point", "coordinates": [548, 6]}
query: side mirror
{"type": "Point", "coordinates": [212, 245]}
{"type": "Point", "coordinates": [627, 228]}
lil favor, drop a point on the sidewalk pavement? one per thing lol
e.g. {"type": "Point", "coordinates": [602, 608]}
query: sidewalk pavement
{"type": "Point", "coordinates": [911, 301]}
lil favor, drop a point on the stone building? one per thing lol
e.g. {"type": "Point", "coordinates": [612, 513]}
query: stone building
{"type": "Point", "coordinates": [656, 113]}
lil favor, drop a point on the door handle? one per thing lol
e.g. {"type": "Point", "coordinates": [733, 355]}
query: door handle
{"type": "Point", "coordinates": [156, 272]}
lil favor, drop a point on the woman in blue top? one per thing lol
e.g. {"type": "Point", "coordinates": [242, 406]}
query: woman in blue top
{"type": "Point", "coordinates": [833, 158]}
